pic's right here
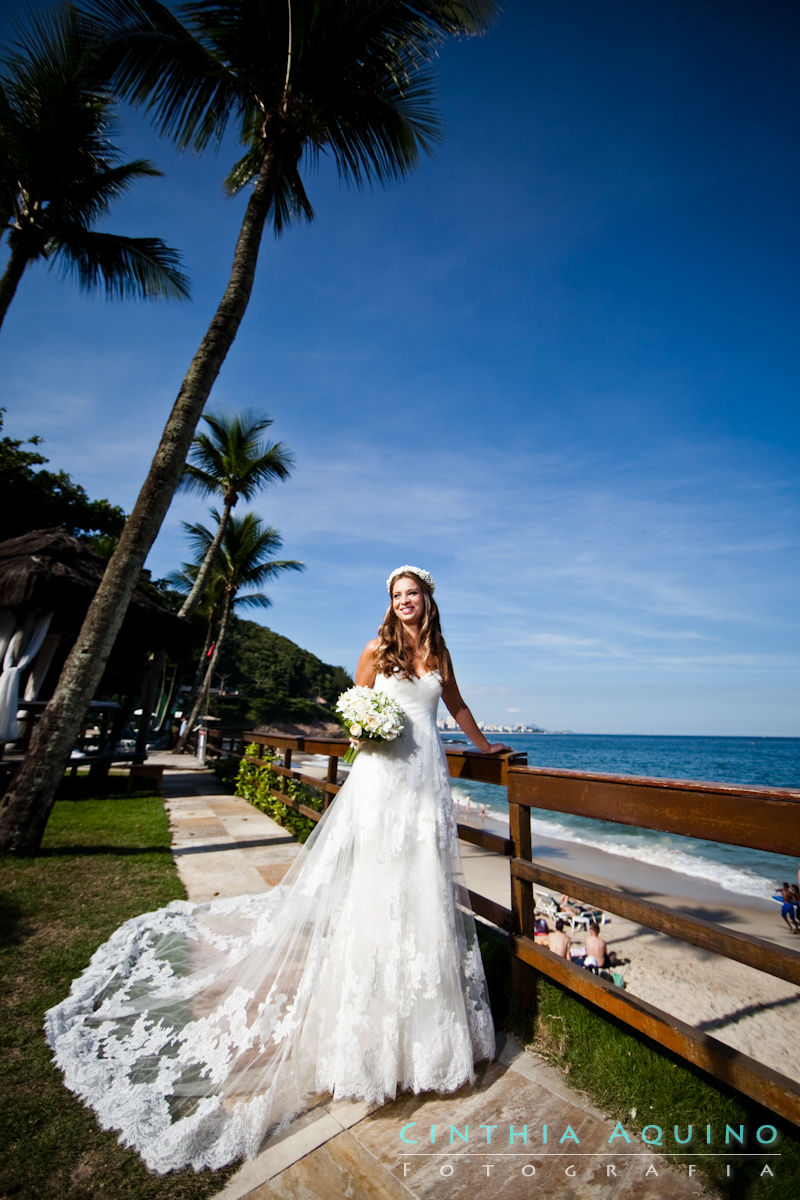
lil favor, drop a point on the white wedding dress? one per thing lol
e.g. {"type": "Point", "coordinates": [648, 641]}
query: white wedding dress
{"type": "Point", "coordinates": [197, 1029]}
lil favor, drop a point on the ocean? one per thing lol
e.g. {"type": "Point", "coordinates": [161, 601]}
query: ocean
{"type": "Point", "coordinates": [752, 762]}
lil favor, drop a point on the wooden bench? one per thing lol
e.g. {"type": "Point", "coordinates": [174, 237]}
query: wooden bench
{"type": "Point", "coordinates": [139, 771]}
{"type": "Point", "coordinates": [100, 764]}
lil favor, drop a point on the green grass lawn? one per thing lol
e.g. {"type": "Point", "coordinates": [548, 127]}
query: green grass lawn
{"type": "Point", "coordinates": [102, 861]}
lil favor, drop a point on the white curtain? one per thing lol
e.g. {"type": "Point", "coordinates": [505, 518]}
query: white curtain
{"type": "Point", "coordinates": [21, 649]}
{"type": "Point", "coordinates": [8, 623]}
{"type": "Point", "coordinates": [41, 666]}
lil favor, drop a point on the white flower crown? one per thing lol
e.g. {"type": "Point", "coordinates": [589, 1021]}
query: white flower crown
{"type": "Point", "coordinates": [408, 570]}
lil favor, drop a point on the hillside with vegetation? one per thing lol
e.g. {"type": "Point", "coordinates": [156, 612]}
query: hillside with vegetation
{"type": "Point", "coordinates": [278, 683]}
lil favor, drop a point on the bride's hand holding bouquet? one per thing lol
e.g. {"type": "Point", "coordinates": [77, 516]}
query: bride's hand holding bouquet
{"type": "Point", "coordinates": [368, 715]}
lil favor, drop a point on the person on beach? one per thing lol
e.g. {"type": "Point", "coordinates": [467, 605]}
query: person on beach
{"type": "Point", "coordinates": [559, 943]}
{"type": "Point", "coordinates": [794, 892]}
{"type": "Point", "coordinates": [788, 910]}
{"type": "Point", "coordinates": [199, 1028]}
{"type": "Point", "coordinates": [596, 948]}
{"type": "Point", "coordinates": [541, 931]}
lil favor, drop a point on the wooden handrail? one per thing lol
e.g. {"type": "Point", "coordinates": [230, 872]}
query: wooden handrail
{"type": "Point", "coordinates": [760, 818]}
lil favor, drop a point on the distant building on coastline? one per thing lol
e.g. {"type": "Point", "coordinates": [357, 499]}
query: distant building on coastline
{"type": "Point", "coordinates": [448, 723]}
{"type": "Point", "coordinates": [521, 727]}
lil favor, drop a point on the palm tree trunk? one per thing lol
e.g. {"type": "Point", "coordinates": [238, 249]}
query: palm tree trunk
{"type": "Point", "coordinates": [199, 585]}
{"type": "Point", "coordinates": [202, 663]}
{"type": "Point", "coordinates": [15, 268]}
{"type": "Point", "coordinates": [148, 693]}
{"type": "Point", "coordinates": [202, 698]}
{"type": "Point", "coordinates": [26, 807]}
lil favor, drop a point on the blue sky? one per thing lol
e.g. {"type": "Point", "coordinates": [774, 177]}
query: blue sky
{"type": "Point", "coordinates": [557, 367]}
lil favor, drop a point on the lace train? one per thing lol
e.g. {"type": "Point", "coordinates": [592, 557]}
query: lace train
{"type": "Point", "coordinates": [198, 1028]}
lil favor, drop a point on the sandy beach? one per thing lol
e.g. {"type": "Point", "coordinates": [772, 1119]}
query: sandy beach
{"type": "Point", "coordinates": [748, 1009]}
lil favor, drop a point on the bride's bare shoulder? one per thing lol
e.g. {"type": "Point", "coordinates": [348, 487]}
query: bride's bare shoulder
{"type": "Point", "coordinates": [365, 672]}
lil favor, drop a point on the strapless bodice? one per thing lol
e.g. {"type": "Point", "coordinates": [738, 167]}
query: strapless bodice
{"type": "Point", "coordinates": [418, 696]}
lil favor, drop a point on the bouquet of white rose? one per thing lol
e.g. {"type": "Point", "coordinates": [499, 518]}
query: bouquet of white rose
{"type": "Point", "coordinates": [369, 715]}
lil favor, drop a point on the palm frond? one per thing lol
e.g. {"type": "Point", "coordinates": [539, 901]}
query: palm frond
{"type": "Point", "coordinates": [155, 61]}
{"type": "Point", "coordinates": [62, 31]}
{"type": "Point", "coordinates": [289, 201]}
{"type": "Point", "coordinates": [91, 196]}
{"type": "Point", "coordinates": [196, 480]}
{"type": "Point", "coordinates": [200, 537]}
{"type": "Point", "coordinates": [181, 581]}
{"type": "Point", "coordinates": [59, 169]}
{"type": "Point", "coordinates": [376, 136]}
{"type": "Point", "coordinates": [252, 600]}
{"type": "Point", "coordinates": [124, 266]}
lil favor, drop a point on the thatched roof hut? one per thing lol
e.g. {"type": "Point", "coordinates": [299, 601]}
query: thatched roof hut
{"type": "Point", "coordinates": [48, 573]}
{"type": "Point", "coordinates": [49, 570]}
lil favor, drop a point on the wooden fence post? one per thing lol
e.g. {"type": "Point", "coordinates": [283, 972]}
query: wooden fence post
{"type": "Point", "coordinates": [333, 771]}
{"type": "Point", "coordinates": [523, 977]}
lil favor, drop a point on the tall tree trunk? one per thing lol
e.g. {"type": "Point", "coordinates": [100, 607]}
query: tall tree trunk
{"type": "Point", "coordinates": [202, 697]}
{"type": "Point", "coordinates": [26, 807]}
{"type": "Point", "coordinates": [154, 668]}
{"type": "Point", "coordinates": [198, 587]}
{"type": "Point", "coordinates": [15, 268]}
{"type": "Point", "coordinates": [202, 664]}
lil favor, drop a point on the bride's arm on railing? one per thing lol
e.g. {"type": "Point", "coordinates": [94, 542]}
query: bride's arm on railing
{"type": "Point", "coordinates": [458, 709]}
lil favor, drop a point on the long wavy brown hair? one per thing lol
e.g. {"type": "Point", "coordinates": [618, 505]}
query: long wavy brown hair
{"type": "Point", "coordinates": [393, 654]}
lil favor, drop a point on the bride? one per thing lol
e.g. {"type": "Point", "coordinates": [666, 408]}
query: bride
{"type": "Point", "coordinates": [197, 1029]}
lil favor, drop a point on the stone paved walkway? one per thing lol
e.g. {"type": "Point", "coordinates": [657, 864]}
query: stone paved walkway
{"type": "Point", "coordinates": [223, 846]}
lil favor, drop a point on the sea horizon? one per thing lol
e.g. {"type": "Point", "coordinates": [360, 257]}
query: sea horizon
{"type": "Point", "coordinates": [489, 728]}
{"type": "Point", "coordinates": [703, 758]}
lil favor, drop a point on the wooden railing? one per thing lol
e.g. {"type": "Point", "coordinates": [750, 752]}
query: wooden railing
{"type": "Point", "coordinates": [760, 818]}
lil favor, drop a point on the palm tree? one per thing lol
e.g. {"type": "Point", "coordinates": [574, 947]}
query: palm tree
{"type": "Point", "coordinates": [243, 561]}
{"type": "Point", "coordinates": [60, 173]}
{"type": "Point", "coordinates": [209, 604]}
{"type": "Point", "coordinates": [235, 461]}
{"type": "Point", "coordinates": [350, 77]}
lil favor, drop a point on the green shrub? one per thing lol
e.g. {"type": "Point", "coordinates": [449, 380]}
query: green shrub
{"type": "Point", "coordinates": [256, 782]}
